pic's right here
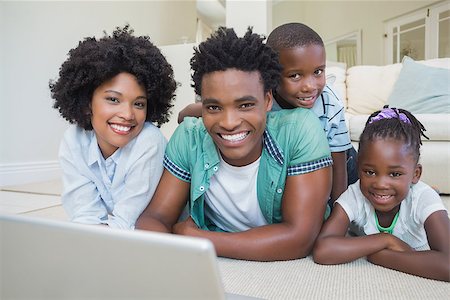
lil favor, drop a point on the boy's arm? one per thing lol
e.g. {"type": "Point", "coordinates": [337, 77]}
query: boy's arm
{"type": "Point", "coordinates": [303, 208]}
{"type": "Point", "coordinates": [333, 247]}
{"type": "Point", "coordinates": [434, 263]}
{"type": "Point", "coordinates": [167, 203]}
{"type": "Point", "coordinates": [191, 110]}
{"type": "Point", "coordinates": [339, 174]}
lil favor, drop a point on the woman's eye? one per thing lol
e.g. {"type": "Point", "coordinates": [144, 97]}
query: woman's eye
{"type": "Point", "coordinates": [140, 105]}
{"type": "Point", "coordinates": [112, 99]}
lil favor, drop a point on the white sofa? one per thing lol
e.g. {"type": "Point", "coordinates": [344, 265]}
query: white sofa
{"type": "Point", "coordinates": [365, 89]}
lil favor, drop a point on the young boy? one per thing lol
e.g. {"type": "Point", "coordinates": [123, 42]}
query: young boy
{"type": "Point", "coordinates": [256, 183]}
{"type": "Point", "coordinates": [303, 84]}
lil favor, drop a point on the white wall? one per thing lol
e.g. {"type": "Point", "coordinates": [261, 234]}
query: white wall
{"type": "Point", "coordinates": [34, 40]}
{"type": "Point", "coordinates": [179, 57]}
{"type": "Point", "coordinates": [335, 18]}
{"type": "Point", "coordinates": [241, 14]}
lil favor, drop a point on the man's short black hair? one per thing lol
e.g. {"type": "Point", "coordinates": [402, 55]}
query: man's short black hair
{"type": "Point", "coordinates": [292, 35]}
{"type": "Point", "coordinates": [94, 61]}
{"type": "Point", "coordinates": [224, 50]}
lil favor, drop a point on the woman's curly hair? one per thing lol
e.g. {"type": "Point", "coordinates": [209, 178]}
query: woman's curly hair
{"type": "Point", "coordinates": [94, 61]}
{"type": "Point", "coordinates": [224, 50]}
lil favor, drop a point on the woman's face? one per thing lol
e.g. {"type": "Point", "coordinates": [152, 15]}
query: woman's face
{"type": "Point", "coordinates": [119, 110]}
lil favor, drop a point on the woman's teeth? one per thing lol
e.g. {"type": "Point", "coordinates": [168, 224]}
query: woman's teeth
{"type": "Point", "coordinates": [121, 128]}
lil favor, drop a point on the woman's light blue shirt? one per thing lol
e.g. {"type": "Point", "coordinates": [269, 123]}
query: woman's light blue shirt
{"type": "Point", "coordinates": [114, 191]}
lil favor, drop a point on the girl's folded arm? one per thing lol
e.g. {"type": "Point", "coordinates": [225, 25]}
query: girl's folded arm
{"type": "Point", "coordinates": [434, 263]}
{"type": "Point", "coordinates": [334, 247]}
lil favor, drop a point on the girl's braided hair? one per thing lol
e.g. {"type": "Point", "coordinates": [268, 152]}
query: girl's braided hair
{"type": "Point", "coordinates": [395, 123]}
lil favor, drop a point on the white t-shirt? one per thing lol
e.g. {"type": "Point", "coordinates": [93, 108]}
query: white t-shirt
{"type": "Point", "coordinates": [231, 200]}
{"type": "Point", "coordinates": [418, 205]}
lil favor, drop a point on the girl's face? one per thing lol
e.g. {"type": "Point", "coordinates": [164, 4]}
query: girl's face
{"type": "Point", "coordinates": [386, 169]}
{"type": "Point", "coordinates": [119, 110]}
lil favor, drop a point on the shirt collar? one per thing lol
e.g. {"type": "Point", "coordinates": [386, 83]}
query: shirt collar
{"type": "Point", "coordinates": [272, 148]}
{"type": "Point", "coordinates": [211, 151]}
{"type": "Point", "coordinates": [93, 150]}
{"type": "Point", "coordinates": [95, 153]}
{"type": "Point", "coordinates": [115, 156]}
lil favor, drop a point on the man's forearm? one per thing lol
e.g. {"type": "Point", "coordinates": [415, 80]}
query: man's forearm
{"type": "Point", "coordinates": [265, 243]}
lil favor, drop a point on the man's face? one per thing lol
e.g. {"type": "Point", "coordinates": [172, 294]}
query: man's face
{"type": "Point", "coordinates": [303, 76]}
{"type": "Point", "coordinates": [234, 108]}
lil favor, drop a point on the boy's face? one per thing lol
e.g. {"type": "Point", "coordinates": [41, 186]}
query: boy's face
{"type": "Point", "coordinates": [303, 76]}
{"type": "Point", "coordinates": [234, 108]}
{"type": "Point", "coordinates": [386, 169]}
{"type": "Point", "coordinates": [119, 109]}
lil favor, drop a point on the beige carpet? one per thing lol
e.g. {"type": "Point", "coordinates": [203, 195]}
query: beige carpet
{"type": "Point", "coordinates": [298, 279]}
{"type": "Point", "coordinates": [303, 279]}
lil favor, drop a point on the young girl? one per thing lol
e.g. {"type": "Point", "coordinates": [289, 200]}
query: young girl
{"type": "Point", "coordinates": [403, 223]}
{"type": "Point", "coordinates": [113, 89]}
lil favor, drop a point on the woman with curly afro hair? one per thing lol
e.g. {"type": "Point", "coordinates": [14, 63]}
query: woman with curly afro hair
{"type": "Point", "coordinates": [117, 91]}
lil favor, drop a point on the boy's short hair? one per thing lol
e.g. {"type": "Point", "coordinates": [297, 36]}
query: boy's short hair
{"type": "Point", "coordinates": [224, 50]}
{"type": "Point", "coordinates": [293, 35]}
{"type": "Point", "coordinates": [94, 61]}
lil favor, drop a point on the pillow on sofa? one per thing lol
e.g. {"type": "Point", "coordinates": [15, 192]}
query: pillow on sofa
{"type": "Point", "coordinates": [369, 87]}
{"type": "Point", "coordinates": [421, 89]}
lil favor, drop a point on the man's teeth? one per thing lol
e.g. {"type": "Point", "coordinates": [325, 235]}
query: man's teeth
{"type": "Point", "coordinates": [120, 127]}
{"type": "Point", "coordinates": [234, 137]}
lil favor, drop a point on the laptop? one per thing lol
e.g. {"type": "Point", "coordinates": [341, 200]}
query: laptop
{"type": "Point", "coordinates": [47, 259]}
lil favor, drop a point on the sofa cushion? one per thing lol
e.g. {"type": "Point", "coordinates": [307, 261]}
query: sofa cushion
{"type": "Point", "coordinates": [368, 87]}
{"type": "Point", "coordinates": [436, 125]}
{"type": "Point", "coordinates": [336, 80]}
{"type": "Point", "coordinates": [421, 89]}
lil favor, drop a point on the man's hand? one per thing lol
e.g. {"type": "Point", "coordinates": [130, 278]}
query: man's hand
{"type": "Point", "coordinates": [187, 227]}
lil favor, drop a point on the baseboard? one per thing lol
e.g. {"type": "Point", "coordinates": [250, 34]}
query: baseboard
{"type": "Point", "coordinates": [23, 173]}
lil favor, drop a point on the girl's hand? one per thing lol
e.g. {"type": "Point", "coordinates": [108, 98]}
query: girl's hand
{"type": "Point", "coordinates": [187, 227]}
{"type": "Point", "coordinates": [396, 244]}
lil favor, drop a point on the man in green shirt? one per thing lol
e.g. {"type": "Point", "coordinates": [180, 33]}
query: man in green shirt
{"type": "Point", "coordinates": [256, 183]}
